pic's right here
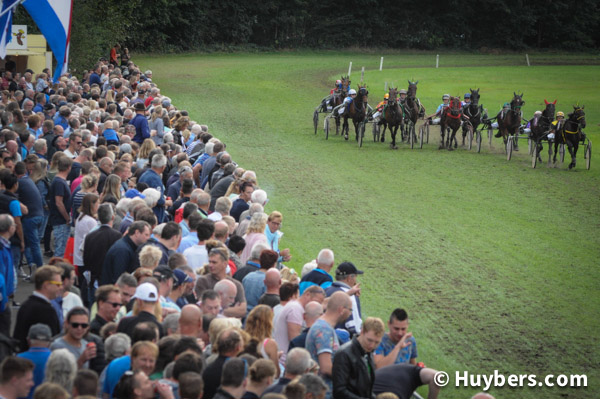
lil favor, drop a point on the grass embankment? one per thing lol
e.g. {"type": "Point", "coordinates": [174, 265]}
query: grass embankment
{"type": "Point", "coordinates": [496, 263]}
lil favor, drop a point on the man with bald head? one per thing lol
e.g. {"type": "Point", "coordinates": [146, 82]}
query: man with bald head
{"type": "Point", "coordinates": [272, 283]}
{"type": "Point", "coordinates": [227, 291]}
{"type": "Point", "coordinates": [13, 149]}
{"type": "Point", "coordinates": [321, 340]}
{"type": "Point", "coordinates": [221, 231]}
{"type": "Point", "coordinates": [190, 321]}
{"type": "Point", "coordinates": [320, 275]}
{"type": "Point", "coordinates": [312, 312]}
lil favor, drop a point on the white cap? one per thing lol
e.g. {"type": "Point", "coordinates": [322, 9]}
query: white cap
{"type": "Point", "coordinates": [146, 292]}
{"type": "Point", "coordinates": [352, 91]}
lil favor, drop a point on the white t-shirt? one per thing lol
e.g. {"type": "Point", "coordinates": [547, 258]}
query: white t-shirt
{"type": "Point", "coordinates": [69, 302]}
{"type": "Point", "coordinates": [196, 256]}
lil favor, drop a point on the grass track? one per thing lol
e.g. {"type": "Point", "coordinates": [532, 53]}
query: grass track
{"type": "Point", "coordinates": [495, 262]}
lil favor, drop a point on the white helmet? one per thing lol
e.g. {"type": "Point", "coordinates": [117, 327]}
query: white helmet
{"type": "Point", "coordinates": [446, 97]}
{"type": "Point", "coordinates": [352, 91]}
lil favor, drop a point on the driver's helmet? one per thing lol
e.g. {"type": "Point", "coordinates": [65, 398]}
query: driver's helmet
{"type": "Point", "coordinates": [506, 105]}
{"type": "Point", "coordinates": [467, 95]}
{"type": "Point", "coordinates": [446, 97]}
{"type": "Point", "coordinates": [537, 113]}
{"type": "Point", "coordinates": [338, 82]}
{"type": "Point", "coordinates": [402, 91]}
{"type": "Point", "coordinates": [386, 96]}
{"type": "Point", "coordinates": [352, 92]}
{"type": "Point", "coordinates": [560, 113]}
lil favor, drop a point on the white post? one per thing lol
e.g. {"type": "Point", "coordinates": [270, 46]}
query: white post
{"type": "Point", "coordinates": [350, 68]}
{"type": "Point", "coordinates": [381, 64]}
{"type": "Point", "coordinates": [437, 61]}
{"type": "Point", "coordinates": [527, 58]}
{"type": "Point", "coordinates": [362, 74]}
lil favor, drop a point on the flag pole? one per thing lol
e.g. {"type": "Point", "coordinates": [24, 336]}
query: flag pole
{"type": "Point", "coordinates": [11, 7]}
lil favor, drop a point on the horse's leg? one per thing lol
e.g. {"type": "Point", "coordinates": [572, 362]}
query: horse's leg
{"type": "Point", "coordinates": [442, 129]}
{"type": "Point", "coordinates": [355, 123]}
{"type": "Point", "coordinates": [383, 134]}
{"type": "Point", "coordinates": [451, 138]}
{"type": "Point", "coordinates": [393, 132]}
{"type": "Point", "coordinates": [464, 133]}
{"type": "Point", "coordinates": [345, 128]}
{"type": "Point", "coordinates": [555, 151]}
{"type": "Point", "coordinates": [573, 146]}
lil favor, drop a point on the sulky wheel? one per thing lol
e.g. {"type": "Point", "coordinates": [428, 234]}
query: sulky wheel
{"type": "Point", "coordinates": [534, 159]}
{"type": "Point", "coordinates": [478, 141]}
{"type": "Point", "coordinates": [421, 133]}
{"type": "Point", "coordinates": [326, 128]}
{"type": "Point", "coordinates": [470, 137]}
{"type": "Point", "coordinates": [361, 133]}
{"type": "Point", "coordinates": [316, 120]}
{"type": "Point", "coordinates": [375, 132]}
{"type": "Point", "coordinates": [490, 135]}
{"type": "Point", "coordinates": [588, 155]}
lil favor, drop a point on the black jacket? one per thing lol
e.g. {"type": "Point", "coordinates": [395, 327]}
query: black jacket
{"type": "Point", "coordinates": [121, 258]}
{"type": "Point", "coordinates": [34, 310]}
{"type": "Point", "coordinates": [352, 378]}
{"type": "Point", "coordinates": [96, 246]}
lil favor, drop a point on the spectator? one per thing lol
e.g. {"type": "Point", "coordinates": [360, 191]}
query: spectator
{"type": "Point", "coordinates": [191, 385]}
{"type": "Point", "coordinates": [16, 377]}
{"type": "Point", "coordinates": [242, 202]}
{"type": "Point", "coordinates": [259, 324]}
{"type": "Point", "coordinates": [254, 283]}
{"type": "Point", "coordinates": [320, 275]}
{"type": "Point", "coordinates": [261, 375]}
{"type": "Point", "coordinates": [217, 265]}
{"type": "Point", "coordinates": [190, 321]}
{"type": "Point", "coordinates": [50, 390]}
{"type": "Point", "coordinates": [353, 366]}
{"type": "Point", "coordinates": [193, 221]}
{"type": "Point", "coordinates": [297, 363]}
{"type": "Point", "coordinates": [252, 264]}
{"type": "Point", "coordinates": [38, 338]}
{"type": "Point", "coordinates": [287, 292]}
{"type": "Point", "coordinates": [322, 341]}
{"type": "Point", "coordinates": [32, 221]}
{"type": "Point", "coordinates": [142, 131]}
{"type": "Point", "coordinates": [66, 300]}
{"type": "Point", "coordinates": [255, 234]}
{"type": "Point", "coordinates": [315, 386]}
{"type": "Point", "coordinates": [152, 177]}
{"type": "Point", "coordinates": [75, 142]}
{"type": "Point", "coordinates": [108, 299]}
{"type": "Point", "coordinates": [288, 323]}
{"type": "Point", "coordinates": [77, 323]}
{"type": "Point", "coordinates": [222, 208]}
{"type": "Point", "coordinates": [137, 385]}
{"type": "Point", "coordinates": [121, 256]}
{"type": "Point", "coordinates": [274, 235]}
{"type": "Point", "coordinates": [146, 298]}
{"type": "Point", "coordinates": [229, 344]}
{"type": "Point", "coordinates": [95, 248]}
{"type": "Point", "coordinates": [233, 380]}
{"type": "Point", "coordinates": [37, 308]}
{"type": "Point", "coordinates": [117, 345]}
{"type": "Point", "coordinates": [398, 345]}
{"type": "Point", "coordinates": [86, 383]}
{"type": "Point", "coordinates": [61, 369]}
{"type": "Point", "coordinates": [86, 221]}
{"type": "Point", "coordinates": [210, 303]}
{"type": "Point", "coordinates": [60, 206]}
{"type": "Point", "coordinates": [7, 230]}
{"type": "Point", "coordinates": [312, 312]}
{"type": "Point", "coordinates": [9, 204]}
{"type": "Point", "coordinates": [345, 276]}
{"type": "Point", "coordinates": [403, 379]}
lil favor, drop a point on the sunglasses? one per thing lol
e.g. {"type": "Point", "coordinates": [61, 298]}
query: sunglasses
{"type": "Point", "coordinates": [114, 304]}
{"type": "Point", "coordinates": [77, 325]}
{"type": "Point", "coordinates": [54, 282]}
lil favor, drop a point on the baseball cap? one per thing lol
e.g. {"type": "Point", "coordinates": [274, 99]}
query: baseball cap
{"type": "Point", "coordinates": [39, 331]}
{"type": "Point", "coordinates": [166, 103]}
{"type": "Point", "coordinates": [146, 292]}
{"type": "Point", "coordinates": [347, 268]}
{"type": "Point", "coordinates": [162, 272]}
{"type": "Point", "coordinates": [48, 106]}
{"type": "Point", "coordinates": [181, 278]}
{"type": "Point", "coordinates": [132, 193]}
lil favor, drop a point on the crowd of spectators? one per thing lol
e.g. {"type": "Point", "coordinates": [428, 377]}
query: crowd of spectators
{"type": "Point", "coordinates": [164, 274]}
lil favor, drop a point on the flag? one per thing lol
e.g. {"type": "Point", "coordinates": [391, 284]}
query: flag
{"type": "Point", "coordinates": [6, 25]}
{"type": "Point", "coordinates": [53, 18]}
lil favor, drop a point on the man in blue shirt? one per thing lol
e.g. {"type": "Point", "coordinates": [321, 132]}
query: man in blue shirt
{"type": "Point", "coordinates": [38, 337]}
{"type": "Point", "coordinates": [320, 275]}
{"type": "Point", "coordinates": [142, 131]}
{"type": "Point", "coordinates": [397, 346]}
{"type": "Point", "coordinates": [152, 177]}
{"type": "Point", "coordinates": [32, 222]}
{"type": "Point", "coordinates": [9, 204]}
{"type": "Point", "coordinates": [95, 77]}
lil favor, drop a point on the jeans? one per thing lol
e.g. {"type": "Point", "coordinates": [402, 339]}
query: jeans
{"type": "Point", "coordinates": [16, 255]}
{"type": "Point", "coordinates": [42, 229]}
{"type": "Point", "coordinates": [31, 228]}
{"type": "Point", "coordinates": [61, 235]}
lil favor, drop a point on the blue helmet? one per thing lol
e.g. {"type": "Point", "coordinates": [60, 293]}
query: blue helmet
{"type": "Point", "coordinates": [468, 95]}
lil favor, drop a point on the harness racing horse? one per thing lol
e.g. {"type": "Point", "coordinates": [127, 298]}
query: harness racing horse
{"type": "Point", "coordinates": [412, 109]}
{"type": "Point", "coordinates": [570, 133]}
{"type": "Point", "coordinates": [393, 117]}
{"type": "Point", "coordinates": [338, 98]}
{"type": "Point", "coordinates": [357, 111]}
{"type": "Point", "coordinates": [451, 119]}
{"type": "Point", "coordinates": [540, 127]}
{"type": "Point", "coordinates": [473, 112]}
{"type": "Point", "coordinates": [509, 123]}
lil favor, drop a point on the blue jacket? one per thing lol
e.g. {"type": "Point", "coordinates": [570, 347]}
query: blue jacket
{"type": "Point", "coordinates": [120, 258]}
{"type": "Point", "coordinates": [110, 134]}
{"type": "Point", "coordinates": [153, 180]}
{"type": "Point", "coordinates": [142, 131]}
{"type": "Point", "coordinates": [316, 277]}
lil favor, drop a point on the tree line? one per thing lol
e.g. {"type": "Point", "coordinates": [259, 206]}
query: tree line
{"type": "Point", "coordinates": [188, 25]}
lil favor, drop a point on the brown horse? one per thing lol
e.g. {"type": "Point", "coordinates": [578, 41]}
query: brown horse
{"type": "Point", "coordinates": [357, 111]}
{"type": "Point", "coordinates": [473, 112]}
{"type": "Point", "coordinates": [412, 109]}
{"type": "Point", "coordinates": [393, 116]}
{"type": "Point", "coordinates": [451, 120]}
{"type": "Point", "coordinates": [510, 122]}
{"type": "Point", "coordinates": [570, 133]}
{"type": "Point", "coordinates": [539, 128]}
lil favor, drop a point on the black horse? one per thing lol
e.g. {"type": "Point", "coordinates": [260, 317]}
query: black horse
{"type": "Point", "coordinates": [451, 119]}
{"type": "Point", "coordinates": [357, 111]}
{"type": "Point", "coordinates": [510, 122]}
{"type": "Point", "coordinates": [473, 112]}
{"type": "Point", "coordinates": [393, 115]}
{"type": "Point", "coordinates": [338, 98]}
{"type": "Point", "coordinates": [412, 109]}
{"type": "Point", "coordinates": [570, 133]}
{"type": "Point", "coordinates": [540, 126]}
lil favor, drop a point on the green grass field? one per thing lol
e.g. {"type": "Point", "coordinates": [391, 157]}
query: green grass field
{"type": "Point", "coordinates": [496, 263]}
